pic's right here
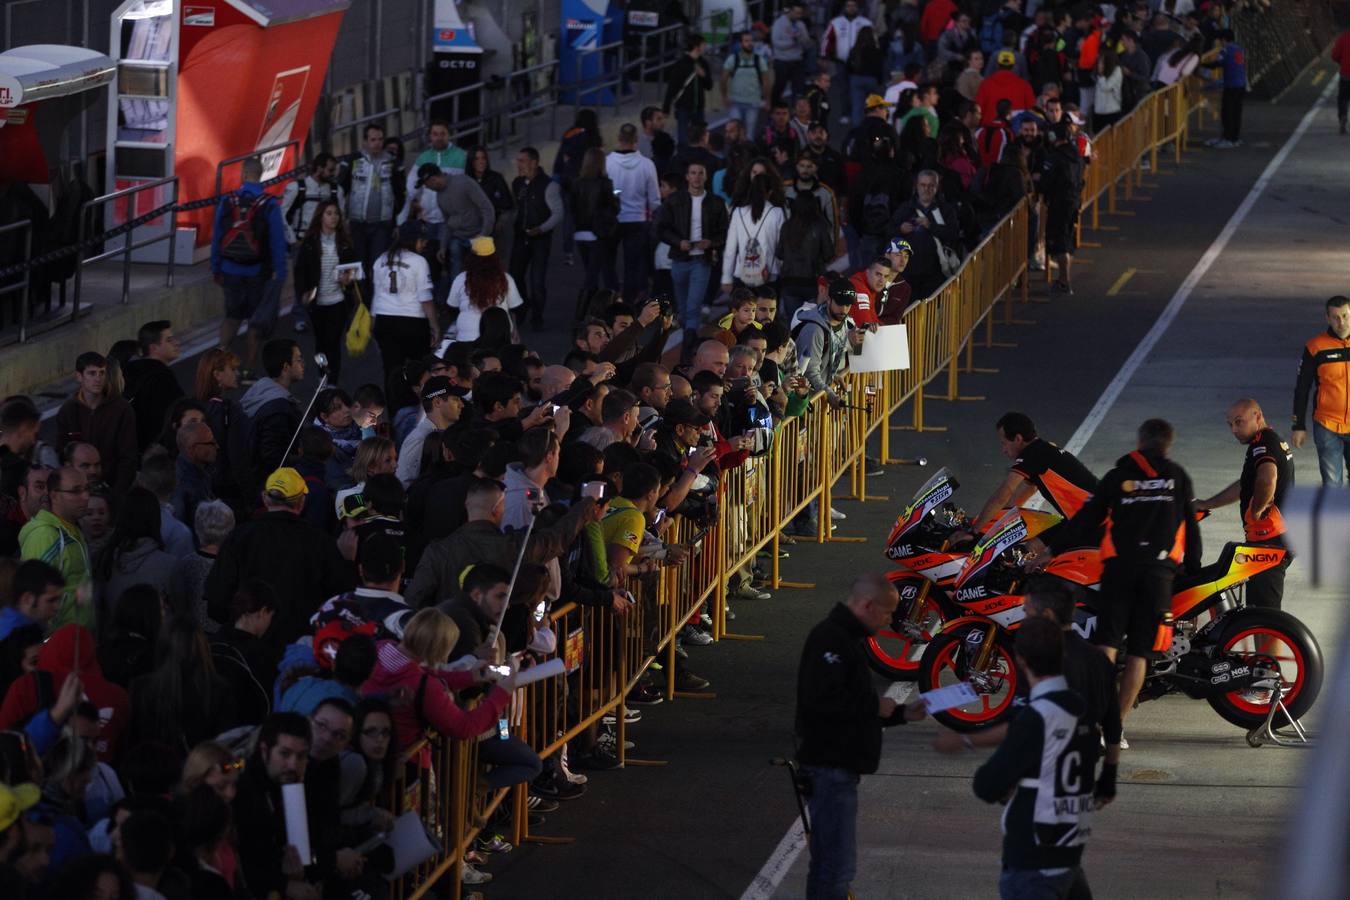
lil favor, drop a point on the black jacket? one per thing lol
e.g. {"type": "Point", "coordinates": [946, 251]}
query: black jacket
{"type": "Point", "coordinates": [309, 262]}
{"type": "Point", "coordinates": [1147, 500]}
{"type": "Point", "coordinates": [673, 223]}
{"type": "Point", "coordinates": [688, 84]}
{"type": "Point", "coordinates": [261, 828]}
{"type": "Point", "coordinates": [151, 389]}
{"type": "Point", "coordinates": [497, 190]}
{"type": "Point", "coordinates": [1062, 181]}
{"type": "Point", "coordinates": [269, 432]}
{"type": "Point", "coordinates": [806, 251]}
{"type": "Point", "coordinates": [595, 207]}
{"type": "Point", "coordinates": [230, 427]}
{"type": "Point", "coordinates": [300, 562]}
{"type": "Point", "coordinates": [837, 722]}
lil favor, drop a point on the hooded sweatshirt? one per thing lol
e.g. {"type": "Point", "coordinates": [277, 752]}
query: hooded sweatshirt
{"type": "Point", "coordinates": [58, 657]}
{"type": "Point", "coordinates": [634, 177]}
{"type": "Point", "coordinates": [437, 707]}
{"type": "Point", "coordinates": [145, 563]}
{"type": "Point", "coordinates": [518, 513]}
{"type": "Point", "coordinates": [273, 418]}
{"type": "Point", "coordinates": [821, 346]}
{"type": "Point", "coordinates": [10, 619]}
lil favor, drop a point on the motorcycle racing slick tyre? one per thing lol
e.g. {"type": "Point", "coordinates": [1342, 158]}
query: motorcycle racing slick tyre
{"type": "Point", "coordinates": [949, 658]}
{"type": "Point", "coordinates": [1271, 633]}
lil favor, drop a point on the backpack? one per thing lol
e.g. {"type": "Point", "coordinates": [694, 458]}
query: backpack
{"type": "Point", "coordinates": [754, 268]}
{"type": "Point", "coordinates": [245, 221]}
{"type": "Point", "coordinates": [736, 63]}
{"type": "Point", "coordinates": [297, 208]}
{"type": "Point", "coordinates": [876, 213]}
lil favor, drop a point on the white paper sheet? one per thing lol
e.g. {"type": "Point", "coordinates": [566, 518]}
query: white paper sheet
{"type": "Point", "coordinates": [952, 695]}
{"type": "Point", "coordinates": [550, 669]}
{"type": "Point", "coordinates": [885, 349]}
{"type": "Point", "coordinates": [297, 822]}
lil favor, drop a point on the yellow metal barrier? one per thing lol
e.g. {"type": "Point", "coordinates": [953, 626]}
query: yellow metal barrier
{"type": "Point", "coordinates": [607, 653]}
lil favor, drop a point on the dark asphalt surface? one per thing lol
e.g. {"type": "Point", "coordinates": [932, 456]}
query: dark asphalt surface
{"type": "Point", "coordinates": [704, 824]}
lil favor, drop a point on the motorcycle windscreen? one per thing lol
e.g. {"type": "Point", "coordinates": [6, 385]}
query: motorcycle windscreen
{"type": "Point", "coordinates": [934, 491]}
{"type": "Point", "coordinates": [1006, 532]}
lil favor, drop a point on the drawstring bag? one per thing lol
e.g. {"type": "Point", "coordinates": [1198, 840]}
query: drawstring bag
{"type": "Point", "coordinates": [753, 271]}
{"type": "Point", "coordinates": [358, 332]}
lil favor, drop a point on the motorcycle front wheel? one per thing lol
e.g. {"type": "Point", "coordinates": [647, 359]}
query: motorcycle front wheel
{"type": "Point", "coordinates": [893, 652]}
{"type": "Point", "coordinates": [1254, 632]}
{"type": "Point", "coordinates": [948, 659]}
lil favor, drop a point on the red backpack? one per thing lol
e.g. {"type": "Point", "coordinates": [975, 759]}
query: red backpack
{"type": "Point", "coordinates": [245, 222]}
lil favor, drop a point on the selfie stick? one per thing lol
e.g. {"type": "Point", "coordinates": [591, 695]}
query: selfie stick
{"type": "Point", "coordinates": [320, 362]}
{"type": "Point", "coordinates": [532, 496]}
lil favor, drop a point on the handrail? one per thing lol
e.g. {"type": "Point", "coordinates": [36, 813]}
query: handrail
{"type": "Point", "coordinates": [21, 287]}
{"type": "Point", "coordinates": [170, 234]}
{"type": "Point", "coordinates": [220, 166]}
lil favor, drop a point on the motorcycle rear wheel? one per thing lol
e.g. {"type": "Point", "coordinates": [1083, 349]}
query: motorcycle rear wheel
{"type": "Point", "coordinates": [1277, 634]}
{"type": "Point", "coordinates": [891, 652]}
{"type": "Point", "coordinates": [944, 664]}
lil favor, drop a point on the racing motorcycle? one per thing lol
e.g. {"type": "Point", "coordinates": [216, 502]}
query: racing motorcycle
{"type": "Point", "coordinates": [1224, 652]}
{"type": "Point", "coordinates": [924, 543]}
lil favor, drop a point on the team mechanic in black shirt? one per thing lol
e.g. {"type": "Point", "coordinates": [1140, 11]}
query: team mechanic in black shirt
{"type": "Point", "coordinates": [1038, 465]}
{"type": "Point", "coordinates": [1145, 504]}
{"type": "Point", "coordinates": [1267, 472]}
{"type": "Point", "coordinates": [838, 727]}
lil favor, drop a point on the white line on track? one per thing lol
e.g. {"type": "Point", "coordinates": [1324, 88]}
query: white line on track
{"type": "Point", "coordinates": [1136, 359]}
{"type": "Point", "coordinates": [773, 872]}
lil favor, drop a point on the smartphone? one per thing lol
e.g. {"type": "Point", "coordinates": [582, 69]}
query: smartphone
{"type": "Point", "coordinates": [738, 385]}
{"type": "Point", "coordinates": [594, 489]}
{"type": "Point", "coordinates": [692, 451]}
{"type": "Point", "coordinates": [553, 409]}
{"type": "Point", "coordinates": [500, 671]}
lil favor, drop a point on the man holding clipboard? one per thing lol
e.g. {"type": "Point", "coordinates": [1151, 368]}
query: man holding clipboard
{"type": "Point", "coordinates": [838, 726]}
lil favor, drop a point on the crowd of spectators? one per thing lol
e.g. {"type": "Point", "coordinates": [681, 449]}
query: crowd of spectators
{"type": "Point", "coordinates": [209, 594]}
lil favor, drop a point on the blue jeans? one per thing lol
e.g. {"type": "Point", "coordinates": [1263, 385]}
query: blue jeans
{"type": "Point", "coordinates": [859, 86]}
{"type": "Point", "coordinates": [512, 761]}
{"type": "Point", "coordinates": [1333, 454]}
{"type": "Point", "coordinates": [834, 832]}
{"type": "Point", "coordinates": [748, 113]}
{"type": "Point", "coordinates": [1030, 884]}
{"type": "Point", "coordinates": [691, 277]}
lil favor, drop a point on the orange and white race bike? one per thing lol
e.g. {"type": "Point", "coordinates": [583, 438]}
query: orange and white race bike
{"type": "Point", "coordinates": [1222, 651]}
{"type": "Point", "coordinates": [924, 544]}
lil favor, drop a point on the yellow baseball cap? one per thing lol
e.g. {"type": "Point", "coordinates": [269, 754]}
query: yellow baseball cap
{"type": "Point", "coordinates": [286, 483]}
{"type": "Point", "coordinates": [15, 801]}
{"type": "Point", "coordinates": [483, 246]}
{"type": "Point", "coordinates": [1006, 58]}
{"type": "Point", "coordinates": [876, 101]}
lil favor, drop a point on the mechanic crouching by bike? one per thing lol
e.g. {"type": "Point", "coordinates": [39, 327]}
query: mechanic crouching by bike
{"type": "Point", "coordinates": [1267, 472]}
{"type": "Point", "coordinates": [838, 726]}
{"type": "Point", "coordinates": [1146, 499]}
